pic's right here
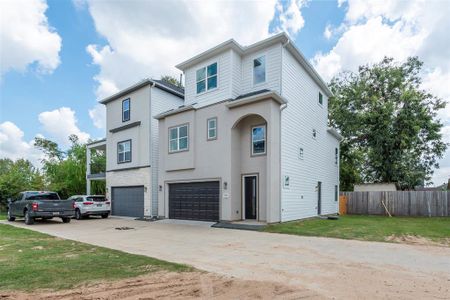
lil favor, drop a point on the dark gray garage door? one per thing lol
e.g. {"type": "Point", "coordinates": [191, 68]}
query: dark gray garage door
{"type": "Point", "coordinates": [194, 201]}
{"type": "Point", "coordinates": [128, 201]}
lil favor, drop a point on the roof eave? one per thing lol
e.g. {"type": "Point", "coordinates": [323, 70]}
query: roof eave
{"type": "Point", "coordinates": [335, 134]}
{"type": "Point", "coordinates": [248, 100]}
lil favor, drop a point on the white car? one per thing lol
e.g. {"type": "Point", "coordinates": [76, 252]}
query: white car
{"type": "Point", "coordinates": [90, 205]}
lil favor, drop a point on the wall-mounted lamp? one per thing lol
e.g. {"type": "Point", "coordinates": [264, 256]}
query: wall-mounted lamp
{"type": "Point", "coordinates": [225, 185]}
{"type": "Point", "coordinates": [160, 188]}
{"type": "Point", "coordinates": [145, 189]}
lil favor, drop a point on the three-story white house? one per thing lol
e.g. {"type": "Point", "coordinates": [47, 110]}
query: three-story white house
{"type": "Point", "coordinates": [249, 142]}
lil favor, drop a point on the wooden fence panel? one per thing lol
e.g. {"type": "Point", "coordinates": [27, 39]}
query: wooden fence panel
{"type": "Point", "coordinates": [399, 203]}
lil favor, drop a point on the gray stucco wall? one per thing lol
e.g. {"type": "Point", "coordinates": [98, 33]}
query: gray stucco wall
{"type": "Point", "coordinates": [226, 158]}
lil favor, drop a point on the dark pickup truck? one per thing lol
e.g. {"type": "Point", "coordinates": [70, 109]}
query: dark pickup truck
{"type": "Point", "coordinates": [40, 204]}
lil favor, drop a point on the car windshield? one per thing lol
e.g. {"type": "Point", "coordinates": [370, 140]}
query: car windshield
{"type": "Point", "coordinates": [96, 198]}
{"type": "Point", "coordinates": [42, 196]}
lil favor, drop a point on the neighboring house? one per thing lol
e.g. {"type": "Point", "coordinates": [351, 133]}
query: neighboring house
{"type": "Point", "coordinates": [251, 141]}
{"type": "Point", "coordinates": [375, 187]}
{"type": "Point", "coordinates": [131, 146]}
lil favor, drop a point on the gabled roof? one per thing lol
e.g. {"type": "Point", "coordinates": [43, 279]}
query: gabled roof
{"type": "Point", "coordinates": [163, 85]}
{"type": "Point", "coordinates": [242, 50]}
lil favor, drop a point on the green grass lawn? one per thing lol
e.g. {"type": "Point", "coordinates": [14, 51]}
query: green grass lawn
{"type": "Point", "coordinates": [2, 215]}
{"type": "Point", "coordinates": [30, 260]}
{"type": "Point", "coordinates": [369, 228]}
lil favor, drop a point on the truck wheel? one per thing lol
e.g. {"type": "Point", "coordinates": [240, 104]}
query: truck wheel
{"type": "Point", "coordinates": [104, 216]}
{"type": "Point", "coordinates": [28, 219]}
{"type": "Point", "coordinates": [66, 220]}
{"type": "Point", "coordinates": [11, 218]}
{"type": "Point", "coordinates": [78, 215]}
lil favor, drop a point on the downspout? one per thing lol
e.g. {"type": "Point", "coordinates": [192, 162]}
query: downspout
{"type": "Point", "coordinates": [152, 85]}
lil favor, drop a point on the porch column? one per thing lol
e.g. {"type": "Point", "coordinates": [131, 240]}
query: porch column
{"type": "Point", "coordinates": [88, 170]}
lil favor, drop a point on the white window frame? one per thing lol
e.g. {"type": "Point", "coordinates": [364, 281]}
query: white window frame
{"type": "Point", "coordinates": [264, 139]}
{"type": "Point", "coordinates": [124, 152]}
{"type": "Point", "coordinates": [210, 138]}
{"type": "Point", "coordinates": [318, 100]}
{"type": "Point", "coordinates": [265, 69]}
{"type": "Point", "coordinates": [207, 89]}
{"type": "Point", "coordinates": [177, 139]}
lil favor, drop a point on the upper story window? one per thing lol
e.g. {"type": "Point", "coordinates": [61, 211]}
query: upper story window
{"type": "Point", "coordinates": [336, 155]}
{"type": "Point", "coordinates": [206, 78]}
{"type": "Point", "coordinates": [212, 128]}
{"type": "Point", "coordinates": [124, 152]}
{"type": "Point", "coordinates": [259, 70]}
{"type": "Point", "coordinates": [126, 110]}
{"type": "Point", "coordinates": [259, 140]}
{"type": "Point", "coordinates": [320, 98]}
{"type": "Point", "coordinates": [178, 138]}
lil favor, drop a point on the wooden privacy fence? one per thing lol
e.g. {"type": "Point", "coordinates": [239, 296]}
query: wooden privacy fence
{"type": "Point", "coordinates": [399, 203]}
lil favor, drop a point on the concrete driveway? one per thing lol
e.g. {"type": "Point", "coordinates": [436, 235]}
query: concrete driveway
{"type": "Point", "coordinates": [331, 267]}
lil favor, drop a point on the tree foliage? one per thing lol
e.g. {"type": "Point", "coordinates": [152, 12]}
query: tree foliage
{"type": "Point", "coordinates": [389, 124]}
{"type": "Point", "coordinates": [16, 176]}
{"type": "Point", "coordinates": [65, 171]}
{"type": "Point", "coordinates": [172, 80]}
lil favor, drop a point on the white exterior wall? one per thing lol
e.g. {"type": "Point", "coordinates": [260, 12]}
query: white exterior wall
{"type": "Point", "coordinates": [273, 70]}
{"type": "Point", "coordinates": [223, 90]}
{"type": "Point", "coordinates": [160, 102]}
{"type": "Point", "coordinates": [303, 114]}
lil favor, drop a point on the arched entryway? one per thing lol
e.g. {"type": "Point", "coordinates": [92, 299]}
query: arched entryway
{"type": "Point", "coordinates": [249, 165]}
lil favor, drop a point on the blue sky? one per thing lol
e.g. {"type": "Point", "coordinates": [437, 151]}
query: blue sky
{"type": "Point", "coordinates": [82, 51]}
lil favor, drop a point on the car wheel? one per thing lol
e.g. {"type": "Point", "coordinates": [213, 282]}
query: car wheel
{"type": "Point", "coordinates": [104, 216]}
{"type": "Point", "coordinates": [66, 220]}
{"type": "Point", "coordinates": [78, 215]}
{"type": "Point", "coordinates": [28, 219]}
{"type": "Point", "coordinates": [11, 218]}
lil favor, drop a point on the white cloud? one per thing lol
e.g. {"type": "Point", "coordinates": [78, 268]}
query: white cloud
{"type": "Point", "coordinates": [26, 37]}
{"type": "Point", "coordinates": [98, 116]}
{"type": "Point", "coordinates": [291, 19]}
{"type": "Point", "coordinates": [373, 29]}
{"type": "Point", "coordinates": [148, 38]}
{"type": "Point", "coordinates": [328, 32]}
{"type": "Point", "coordinates": [13, 146]}
{"type": "Point", "coordinates": [60, 123]}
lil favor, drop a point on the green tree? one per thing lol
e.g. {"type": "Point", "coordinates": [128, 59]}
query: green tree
{"type": "Point", "coordinates": [389, 124]}
{"type": "Point", "coordinates": [172, 80]}
{"type": "Point", "coordinates": [65, 171]}
{"type": "Point", "coordinates": [17, 176]}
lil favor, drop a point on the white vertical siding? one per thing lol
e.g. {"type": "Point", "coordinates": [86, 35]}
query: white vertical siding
{"type": "Point", "coordinates": [236, 67]}
{"type": "Point", "coordinates": [303, 114]}
{"type": "Point", "coordinates": [161, 101]}
{"type": "Point", "coordinates": [273, 70]}
{"type": "Point", "coordinates": [223, 90]}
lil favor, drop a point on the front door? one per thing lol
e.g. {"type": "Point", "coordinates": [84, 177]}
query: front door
{"type": "Point", "coordinates": [250, 195]}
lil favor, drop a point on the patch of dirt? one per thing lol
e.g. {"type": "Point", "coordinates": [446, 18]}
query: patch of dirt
{"type": "Point", "coordinates": [171, 285]}
{"type": "Point", "coordinates": [417, 240]}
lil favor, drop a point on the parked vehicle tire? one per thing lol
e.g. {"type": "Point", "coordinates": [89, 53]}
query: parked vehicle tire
{"type": "Point", "coordinates": [65, 220]}
{"type": "Point", "coordinates": [104, 216]}
{"type": "Point", "coordinates": [28, 219]}
{"type": "Point", "coordinates": [11, 218]}
{"type": "Point", "coordinates": [78, 215]}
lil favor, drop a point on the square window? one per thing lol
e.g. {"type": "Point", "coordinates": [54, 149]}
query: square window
{"type": "Point", "coordinates": [178, 138]}
{"type": "Point", "coordinates": [206, 78]}
{"type": "Point", "coordinates": [259, 70]}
